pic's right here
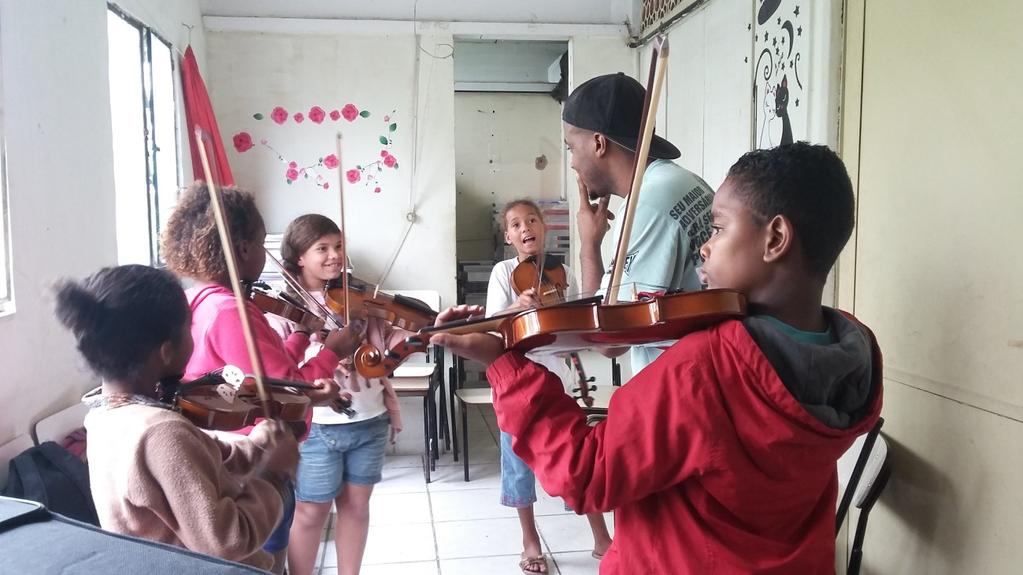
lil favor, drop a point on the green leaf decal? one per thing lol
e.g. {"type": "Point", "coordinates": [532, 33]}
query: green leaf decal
{"type": "Point", "coordinates": [383, 140]}
{"type": "Point", "coordinates": [364, 113]}
{"type": "Point", "coordinates": [393, 127]}
{"type": "Point", "coordinates": [258, 116]}
{"type": "Point", "coordinates": [395, 165]}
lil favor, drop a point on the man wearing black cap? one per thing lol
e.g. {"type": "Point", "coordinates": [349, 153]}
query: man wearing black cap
{"type": "Point", "coordinates": [601, 123]}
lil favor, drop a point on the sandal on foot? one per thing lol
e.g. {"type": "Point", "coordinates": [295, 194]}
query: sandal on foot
{"type": "Point", "coordinates": [536, 564]}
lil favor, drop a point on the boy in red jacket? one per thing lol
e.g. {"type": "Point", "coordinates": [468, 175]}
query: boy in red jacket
{"type": "Point", "coordinates": [719, 457]}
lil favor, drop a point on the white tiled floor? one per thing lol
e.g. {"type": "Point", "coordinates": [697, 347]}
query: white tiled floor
{"type": "Point", "coordinates": [450, 527]}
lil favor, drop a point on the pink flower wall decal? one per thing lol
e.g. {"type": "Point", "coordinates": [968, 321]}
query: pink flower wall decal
{"type": "Point", "coordinates": [390, 160]}
{"type": "Point", "coordinates": [316, 114]}
{"type": "Point", "coordinates": [291, 174]}
{"type": "Point", "coordinates": [350, 112]}
{"type": "Point", "coordinates": [298, 117]}
{"type": "Point", "coordinates": [335, 115]}
{"type": "Point", "coordinates": [330, 162]}
{"type": "Point", "coordinates": [279, 115]}
{"type": "Point", "coordinates": [376, 190]}
{"type": "Point", "coordinates": [242, 142]}
{"type": "Point", "coordinates": [353, 176]}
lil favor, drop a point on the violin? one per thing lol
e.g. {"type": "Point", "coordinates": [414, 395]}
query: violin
{"type": "Point", "coordinates": [575, 326]}
{"type": "Point", "coordinates": [219, 401]}
{"type": "Point", "coordinates": [400, 311]}
{"type": "Point", "coordinates": [280, 305]}
{"type": "Point", "coordinates": [549, 284]}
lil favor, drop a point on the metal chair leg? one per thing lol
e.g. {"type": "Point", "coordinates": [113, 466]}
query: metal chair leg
{"type": "Point", "coordinates": [465, 439]}
{"type": "Point", "coordinates": [431, 407]}
{"type": "Point", "coordinates": [445, 432]}
{"type": "Point", "coordinates": [451, 399]}
{"type": "Point", "coordinates": [426, 443]}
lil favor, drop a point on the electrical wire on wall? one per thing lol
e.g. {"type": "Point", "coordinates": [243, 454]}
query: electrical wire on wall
{"type": "Point", "coordinates": [411, 215]}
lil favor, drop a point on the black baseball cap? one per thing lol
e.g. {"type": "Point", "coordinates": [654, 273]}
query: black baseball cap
{"type": "Point", "coordinates": [612, 104]}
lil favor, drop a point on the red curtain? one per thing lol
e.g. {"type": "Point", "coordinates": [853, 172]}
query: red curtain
{"type": "Point", "coordinates": [199, 112]}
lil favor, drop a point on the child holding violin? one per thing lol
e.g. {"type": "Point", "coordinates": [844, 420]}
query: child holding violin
{"type": "Point", "coordinates": [192, 249]}
{"type": "Point", "coordinates": [154, 474]}
{"type": "Point", "coordinates": [720, 456]}
{"type": "Point", "coordinates": [343, 457]}
{"type": "Point", "coordinates": [524, 229]}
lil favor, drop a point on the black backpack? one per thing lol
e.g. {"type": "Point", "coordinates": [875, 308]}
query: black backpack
{"type": "Point", "coordinates": [51, 475]}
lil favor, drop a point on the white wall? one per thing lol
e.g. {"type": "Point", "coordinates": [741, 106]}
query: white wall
{"type": "Point", "coordinates": [60, 183]}
{"type": "Point", "coordinates": [498, 138]}
{"type": "Point", "coordinates": [386, 75]}
{"type": "Point", "coordinates": [932, 135]}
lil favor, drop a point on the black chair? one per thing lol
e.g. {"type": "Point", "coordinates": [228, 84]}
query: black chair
{"type": "Point", "coordinates": [424, 379]}
{"type": "Point", "coordinates": [865, 481]}
{"type": "Point", "coordinates": [465, 397]}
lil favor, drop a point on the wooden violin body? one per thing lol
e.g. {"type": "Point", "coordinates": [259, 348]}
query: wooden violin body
{"type": "Point", "coordinates": [208, 405]}
{"type": "Point", "coordinates": [207, 409]}
{"type": "Point", "coordinates": [400, 311]}
{"type": "Point", "coordinates": [577, 326]}
{"type": "Point", "coordinates": [549, 286]}
{"type": "Point", "coordinates": [281, 307]}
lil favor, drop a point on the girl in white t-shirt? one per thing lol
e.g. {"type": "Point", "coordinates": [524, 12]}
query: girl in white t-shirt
{"type": "Point", "coordinates": [524, 229]}
{"type": "Point", "coordinates": [343, 457]}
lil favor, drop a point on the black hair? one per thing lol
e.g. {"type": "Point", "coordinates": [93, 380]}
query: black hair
{"type": "Point", "coordinates": [119, 315]}
{"type": "Point", "coordinates": [808, 184]}
{"type": "Point", "coordinates": [191, 245]}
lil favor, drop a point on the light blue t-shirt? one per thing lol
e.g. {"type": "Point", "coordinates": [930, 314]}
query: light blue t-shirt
{"type": "Point", "coordinates": [672, 221]}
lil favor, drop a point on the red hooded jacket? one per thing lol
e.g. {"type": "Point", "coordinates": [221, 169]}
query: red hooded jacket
{"type": "Point", "coordinates": [708, 460]}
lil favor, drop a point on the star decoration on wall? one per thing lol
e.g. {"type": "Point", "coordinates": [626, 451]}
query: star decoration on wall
{"type": "Point", "coordinates": [799, 31]}
{"type": "Point", "coordinates": [796, 11]}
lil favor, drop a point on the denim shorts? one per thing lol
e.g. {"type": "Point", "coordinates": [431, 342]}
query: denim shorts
{"type": "Point", "coordinates": [518, 484]}
{"type": "Point", "coordinates": [333, 455]}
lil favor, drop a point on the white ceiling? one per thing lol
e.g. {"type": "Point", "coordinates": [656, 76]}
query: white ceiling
{"type": "Point", "coordinates": [534, 11]}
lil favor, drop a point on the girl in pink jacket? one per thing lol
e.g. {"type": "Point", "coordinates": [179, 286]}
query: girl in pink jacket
{"type": "Point", "coordinates": [192, 249]}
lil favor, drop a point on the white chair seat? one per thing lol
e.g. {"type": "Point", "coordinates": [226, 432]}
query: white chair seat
{"type": "Point", "coordinates": [407, 370]}
{"type": "Point", "coordinates": [476, 395]}
{"type": "Point", "coordinates": [59, 425]}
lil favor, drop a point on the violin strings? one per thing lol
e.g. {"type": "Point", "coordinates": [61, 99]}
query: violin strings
{"type": "Point", "coordinates": [307, 297]}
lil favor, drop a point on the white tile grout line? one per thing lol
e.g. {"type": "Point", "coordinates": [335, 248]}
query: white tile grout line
{"type": "Point", "coordinates": [433, 530]}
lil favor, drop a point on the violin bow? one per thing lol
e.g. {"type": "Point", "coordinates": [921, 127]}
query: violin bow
{"type": "Point", "coordinates": [655, 82]}
{"type": "Point", "coordinates": [216, 204]}
{"type": "Point", "coordinates": [293, 283]}
{"type": "Point", "coordinates": [344, 230]}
